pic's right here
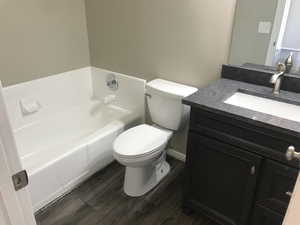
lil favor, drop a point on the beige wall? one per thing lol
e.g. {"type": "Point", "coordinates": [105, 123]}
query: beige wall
{"type": "Point", "coordinates": [183, 41]}
{"type": "Point", "coordinates": [249, 46]}
{"type": "Point", "coordinates": [40, 38]}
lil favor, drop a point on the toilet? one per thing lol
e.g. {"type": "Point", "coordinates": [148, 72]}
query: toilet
{"type": "Point", "coordinates": [142, 149]}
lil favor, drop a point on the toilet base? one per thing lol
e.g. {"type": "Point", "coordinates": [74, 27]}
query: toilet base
{"type": "Point", "coordinates": [140, 180]}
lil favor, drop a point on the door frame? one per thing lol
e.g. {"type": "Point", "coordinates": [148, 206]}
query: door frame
{"type": "Point", "coordinates": [292, 214]}
{"type": "Point", "coordinates": [279, 25]}
{"type": "Point", "coordinates": [10, 154]}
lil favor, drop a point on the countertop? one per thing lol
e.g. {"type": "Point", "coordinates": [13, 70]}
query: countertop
{"type": "Point", "coordinates": [212, 98]}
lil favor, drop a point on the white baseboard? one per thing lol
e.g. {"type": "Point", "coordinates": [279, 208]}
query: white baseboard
{"type": "Point", "coordinates": [175, 154]}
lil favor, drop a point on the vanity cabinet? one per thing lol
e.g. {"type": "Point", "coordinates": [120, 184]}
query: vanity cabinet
{"type": "Point", "coordinates": [222, 179]}
{"type": "Point", "coordinates": [236, 172]}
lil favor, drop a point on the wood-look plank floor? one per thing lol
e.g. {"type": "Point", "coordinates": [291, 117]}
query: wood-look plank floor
{"type": "Point", "coordinates": [101, 201]}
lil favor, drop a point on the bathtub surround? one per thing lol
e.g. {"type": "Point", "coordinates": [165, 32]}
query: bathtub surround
{"type": "Point", "coordinates": [70, 136]}
{"type": "Point", "coordinates": [40, 38]}
{"type": "Point", "coordinates": [130, 93]}
{"type": "Point", "coordinates": [55, 93]}
{"type": "Point", "coordinates": [72, 88]}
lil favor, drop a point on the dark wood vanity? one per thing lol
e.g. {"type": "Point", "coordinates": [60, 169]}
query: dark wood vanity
{"type": "Point", "coordinates": [236, 168]}
{"type": "Point", "coordinates": [237, 173]}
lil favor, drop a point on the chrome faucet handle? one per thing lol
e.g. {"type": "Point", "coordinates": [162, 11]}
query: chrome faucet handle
{"type": "Point", "coordinates": [281, 67]}
{"type": "Point", "coordinates": [292, 154]}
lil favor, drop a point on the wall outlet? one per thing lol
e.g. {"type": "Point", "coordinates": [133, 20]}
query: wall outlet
{"type": "Point", "coordinates": [264, 27]}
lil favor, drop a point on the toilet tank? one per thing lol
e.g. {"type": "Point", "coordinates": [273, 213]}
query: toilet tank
{"type": "Point", "coordinates": [164, 99]}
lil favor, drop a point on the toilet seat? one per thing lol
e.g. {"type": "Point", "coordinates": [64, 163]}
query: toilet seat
{"type": "Point", "coordinates": [142, 141]}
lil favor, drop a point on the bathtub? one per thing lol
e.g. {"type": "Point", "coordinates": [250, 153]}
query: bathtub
{"type": "Point", "coordinates": [64, 149]}
{"type": "Point", "coordinates": [69, 134]}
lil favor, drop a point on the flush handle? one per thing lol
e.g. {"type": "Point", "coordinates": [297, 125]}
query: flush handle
{"type": "Point", "coordinates": [291, 154]}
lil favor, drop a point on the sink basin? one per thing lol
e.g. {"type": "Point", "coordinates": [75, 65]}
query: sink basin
{"type": "Point", "coordinates": [265, 105]}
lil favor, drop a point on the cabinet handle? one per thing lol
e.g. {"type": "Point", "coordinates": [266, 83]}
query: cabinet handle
{"type": "Point", "coordinates": [253, 169]}
{"type": "Point", "coordinates": [288, 193]}
{"type": "Point", "coordinates": [292, 154]}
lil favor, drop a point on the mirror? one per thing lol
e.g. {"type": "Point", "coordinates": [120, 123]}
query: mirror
{"type": "Point", "coordinates": [266, 33]}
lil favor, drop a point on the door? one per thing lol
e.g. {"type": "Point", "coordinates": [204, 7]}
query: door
{"type": "Point", "coordinates": [222, 179]}
{"type": "Point", "coordinates": [15, 206]}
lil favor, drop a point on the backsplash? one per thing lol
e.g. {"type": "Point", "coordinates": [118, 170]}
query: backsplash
{"type": "Point", "coordinates": [260, 77]}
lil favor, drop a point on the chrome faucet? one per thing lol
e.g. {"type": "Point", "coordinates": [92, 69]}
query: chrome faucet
{"type": "Point", "coordinates": [276, 79]}
{"type": "Point", "coordinates": [289, 62]}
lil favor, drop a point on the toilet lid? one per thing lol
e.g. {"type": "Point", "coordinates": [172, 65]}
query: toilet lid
{"type": "Point", "coordinates": [140, 140]}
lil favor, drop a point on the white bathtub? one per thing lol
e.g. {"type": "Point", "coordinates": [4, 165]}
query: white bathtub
{"type": "Point", "coordinates": [62, 150]}
{"type": "Point", "coordinates": [70, 136]}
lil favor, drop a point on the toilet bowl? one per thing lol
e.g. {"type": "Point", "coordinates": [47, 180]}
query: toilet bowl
{"type": "Point", "coordinates": [142, 149]}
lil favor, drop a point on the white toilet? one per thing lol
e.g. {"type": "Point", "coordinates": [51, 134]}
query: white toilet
{"type": "Point", "coordinates": [142, 148]}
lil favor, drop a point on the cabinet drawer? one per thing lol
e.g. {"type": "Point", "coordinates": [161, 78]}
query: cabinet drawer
{"type": "Point", "coordinates": [272, 143]}
{"type": "Point", "coordinates": [276, 185]}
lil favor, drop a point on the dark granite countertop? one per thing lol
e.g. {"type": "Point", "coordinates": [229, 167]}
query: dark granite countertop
{"type": "Point", "coordinates": [212, 98]}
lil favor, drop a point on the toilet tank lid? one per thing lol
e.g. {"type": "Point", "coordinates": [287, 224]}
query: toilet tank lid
{"type": "Point", "coordinates": [169, 87]}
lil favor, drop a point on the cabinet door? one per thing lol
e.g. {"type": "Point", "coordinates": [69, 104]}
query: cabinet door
{"type": "Point", "coordinates": [221, 179]}
{"type": "Point", "coordinates": [276, 186]}
{"type": "Point", "coordinates": [265, 216]}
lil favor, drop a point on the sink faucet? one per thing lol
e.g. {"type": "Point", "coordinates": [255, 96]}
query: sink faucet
{"type": "Point", "coordinates": [276, 79]}
{"type": "Point", "coordinates": [289, 62]}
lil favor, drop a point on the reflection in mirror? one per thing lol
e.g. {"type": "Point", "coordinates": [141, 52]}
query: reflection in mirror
{"type": "Point", "coordinates": [266, 33]}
